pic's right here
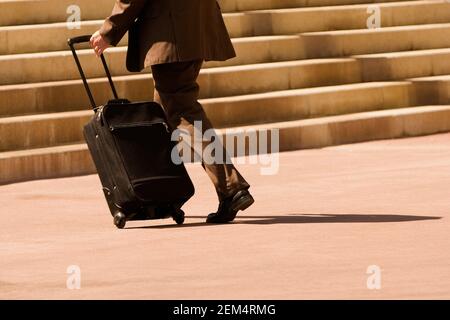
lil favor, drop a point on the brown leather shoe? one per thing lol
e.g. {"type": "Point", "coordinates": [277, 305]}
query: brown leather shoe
{"type": "Point", "coordinates": [229, 207]}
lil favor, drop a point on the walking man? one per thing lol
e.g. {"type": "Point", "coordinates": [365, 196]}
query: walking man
{"type": "Point", "coordinates": [174, 37]}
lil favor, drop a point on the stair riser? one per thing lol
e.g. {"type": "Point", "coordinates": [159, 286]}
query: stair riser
{"type": "Point", "coordinates": [396, 68]}
{"type": "Point", "coordinates": [41, 133]}
{"type": "Point", "coordinates": [376, 128]}
{"type": "Point", "coordinates": [46, 166]}
{"type": "Point", "coordinates": [432, 92]}
{"type": "Point", "coordinates": [287, 108]}
{"type": "Point", "coordinates": [31, 11]}
{"type": "Point", "coordinates": [375, 41]}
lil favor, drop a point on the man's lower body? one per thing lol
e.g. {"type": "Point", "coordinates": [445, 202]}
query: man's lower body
{"type": "Point", "coordinates": [177, 90]}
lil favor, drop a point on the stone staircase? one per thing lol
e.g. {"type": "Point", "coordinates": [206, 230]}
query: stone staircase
{"type": "Point", "coordinates": [311, 69]}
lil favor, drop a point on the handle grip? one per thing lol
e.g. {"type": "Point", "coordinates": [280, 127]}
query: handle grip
{"type": "Point", "coordinates": [82, 39]}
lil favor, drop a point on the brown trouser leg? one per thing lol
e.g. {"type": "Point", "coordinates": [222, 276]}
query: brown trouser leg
{"type": "Point", "coordinates": [176, 89]}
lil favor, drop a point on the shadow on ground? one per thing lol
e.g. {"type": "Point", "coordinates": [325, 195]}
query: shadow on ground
{"type": "Point", "coordinates": [302, 218]}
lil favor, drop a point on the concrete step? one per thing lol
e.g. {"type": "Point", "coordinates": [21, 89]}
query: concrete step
{"type": "Point", "coordinates": [52, 37]}
{"type": "Point", "coordinates": [359, 127]}
{"type": "Point", "coordinates": [26, 132]}
{"type": "Point", "coordinates": [233, 80]}
{"type": "Point", "coordinates": [33, 131]}
{"type": "Point", "coordinates": [70, 160]}
{"type": "Point", "coordinates": [367, 41]}
{"type": "Point", "coordinates": [54, 66]}
{"type": "Point", "coordinates": [298, 104]}
{"type": "Point", "coordinates": [340, 17]}
{"type": "Point", "coordinates": [47, 11]}
{"type": "Point", "coordinates": [214, 82]}
{"type": "Point", "coordinates": [45, 163]}
{"type": "Point", "coordinates": [435, 90]}
{"type": "Point", "coordinates": [402, 65]}
{"type": "Point", "coordinates": [246, 5]}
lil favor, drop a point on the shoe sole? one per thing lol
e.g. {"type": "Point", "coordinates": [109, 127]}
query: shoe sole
{"type": "Point", "coordinates": [243, 203]}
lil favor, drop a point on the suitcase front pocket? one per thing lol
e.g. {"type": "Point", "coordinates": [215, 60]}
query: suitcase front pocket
{"type": "Point", "coordinates": [145, 150]}
{"type": "Point", "coordinates": [162, 189]}
{"type": "Point", "coordinates": [146, 154]}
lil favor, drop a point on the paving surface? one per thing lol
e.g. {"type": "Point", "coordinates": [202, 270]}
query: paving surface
{"type": "Point", "coordinates": [313, 232]}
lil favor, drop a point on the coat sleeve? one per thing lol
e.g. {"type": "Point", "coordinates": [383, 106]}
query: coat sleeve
{"type": "Point", "coordinates": [123, 15]}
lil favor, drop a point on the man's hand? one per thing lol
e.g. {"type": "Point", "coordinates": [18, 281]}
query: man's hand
{"type": "Point", "coordinates": [98, 43]}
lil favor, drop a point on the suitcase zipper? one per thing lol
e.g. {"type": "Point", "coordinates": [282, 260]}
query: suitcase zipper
{"type": "Point", "coordinates": [99, 136]}
{"type": "Point", "coordinates": [136, 181]}
{"type": "Point", "coordinates": [101, 142]}
{"type": "Point", "coordinates": [101, 117]}
{"type": "Point", "coordinates": [140, 124]}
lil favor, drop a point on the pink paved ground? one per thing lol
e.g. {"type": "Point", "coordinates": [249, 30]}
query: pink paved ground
{"type": "Point", "coordinates": [314, 230]}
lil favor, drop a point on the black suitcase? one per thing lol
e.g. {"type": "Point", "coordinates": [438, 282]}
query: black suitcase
{"type": "Point", "coordinates": [130, 144]}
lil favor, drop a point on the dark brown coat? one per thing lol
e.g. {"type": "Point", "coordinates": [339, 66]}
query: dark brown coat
{"type": "Point", "coordinates": [164, 31]}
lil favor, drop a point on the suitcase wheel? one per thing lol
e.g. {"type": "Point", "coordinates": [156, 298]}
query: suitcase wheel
{"type": "Point", "coordinates": [120, 220]}
{"type": "Point", "coordinates": [179, 216]}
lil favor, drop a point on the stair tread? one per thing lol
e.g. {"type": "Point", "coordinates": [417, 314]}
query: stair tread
{"type": "Point", "coordinates": [338, 7]}
{"type": "Point", "coordinates": [410, 53]}
{"type": "Point", "coordinates": [413, 27]}
{"type": "Point", "coordinates": [307, 91]}
{"type": "Point", "coordinates": [46, 150]}
{"type": "Point", "coordinates": [45, 116]}
{"type": "Point", "coordinates": [445, 77]}
{"type": "Point", "coordinates": [47, 26]}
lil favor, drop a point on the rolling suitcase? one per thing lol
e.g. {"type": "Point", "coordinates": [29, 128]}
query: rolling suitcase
{"type": "Point", "coordinates": [130, 144]}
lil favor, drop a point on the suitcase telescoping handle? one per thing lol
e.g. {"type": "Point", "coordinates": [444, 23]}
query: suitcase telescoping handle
{"type": "Point", "coordinates": [82, 39]}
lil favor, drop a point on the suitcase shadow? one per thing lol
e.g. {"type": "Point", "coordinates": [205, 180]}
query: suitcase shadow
{"type": "Point", "coordinates": [300, 219]}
